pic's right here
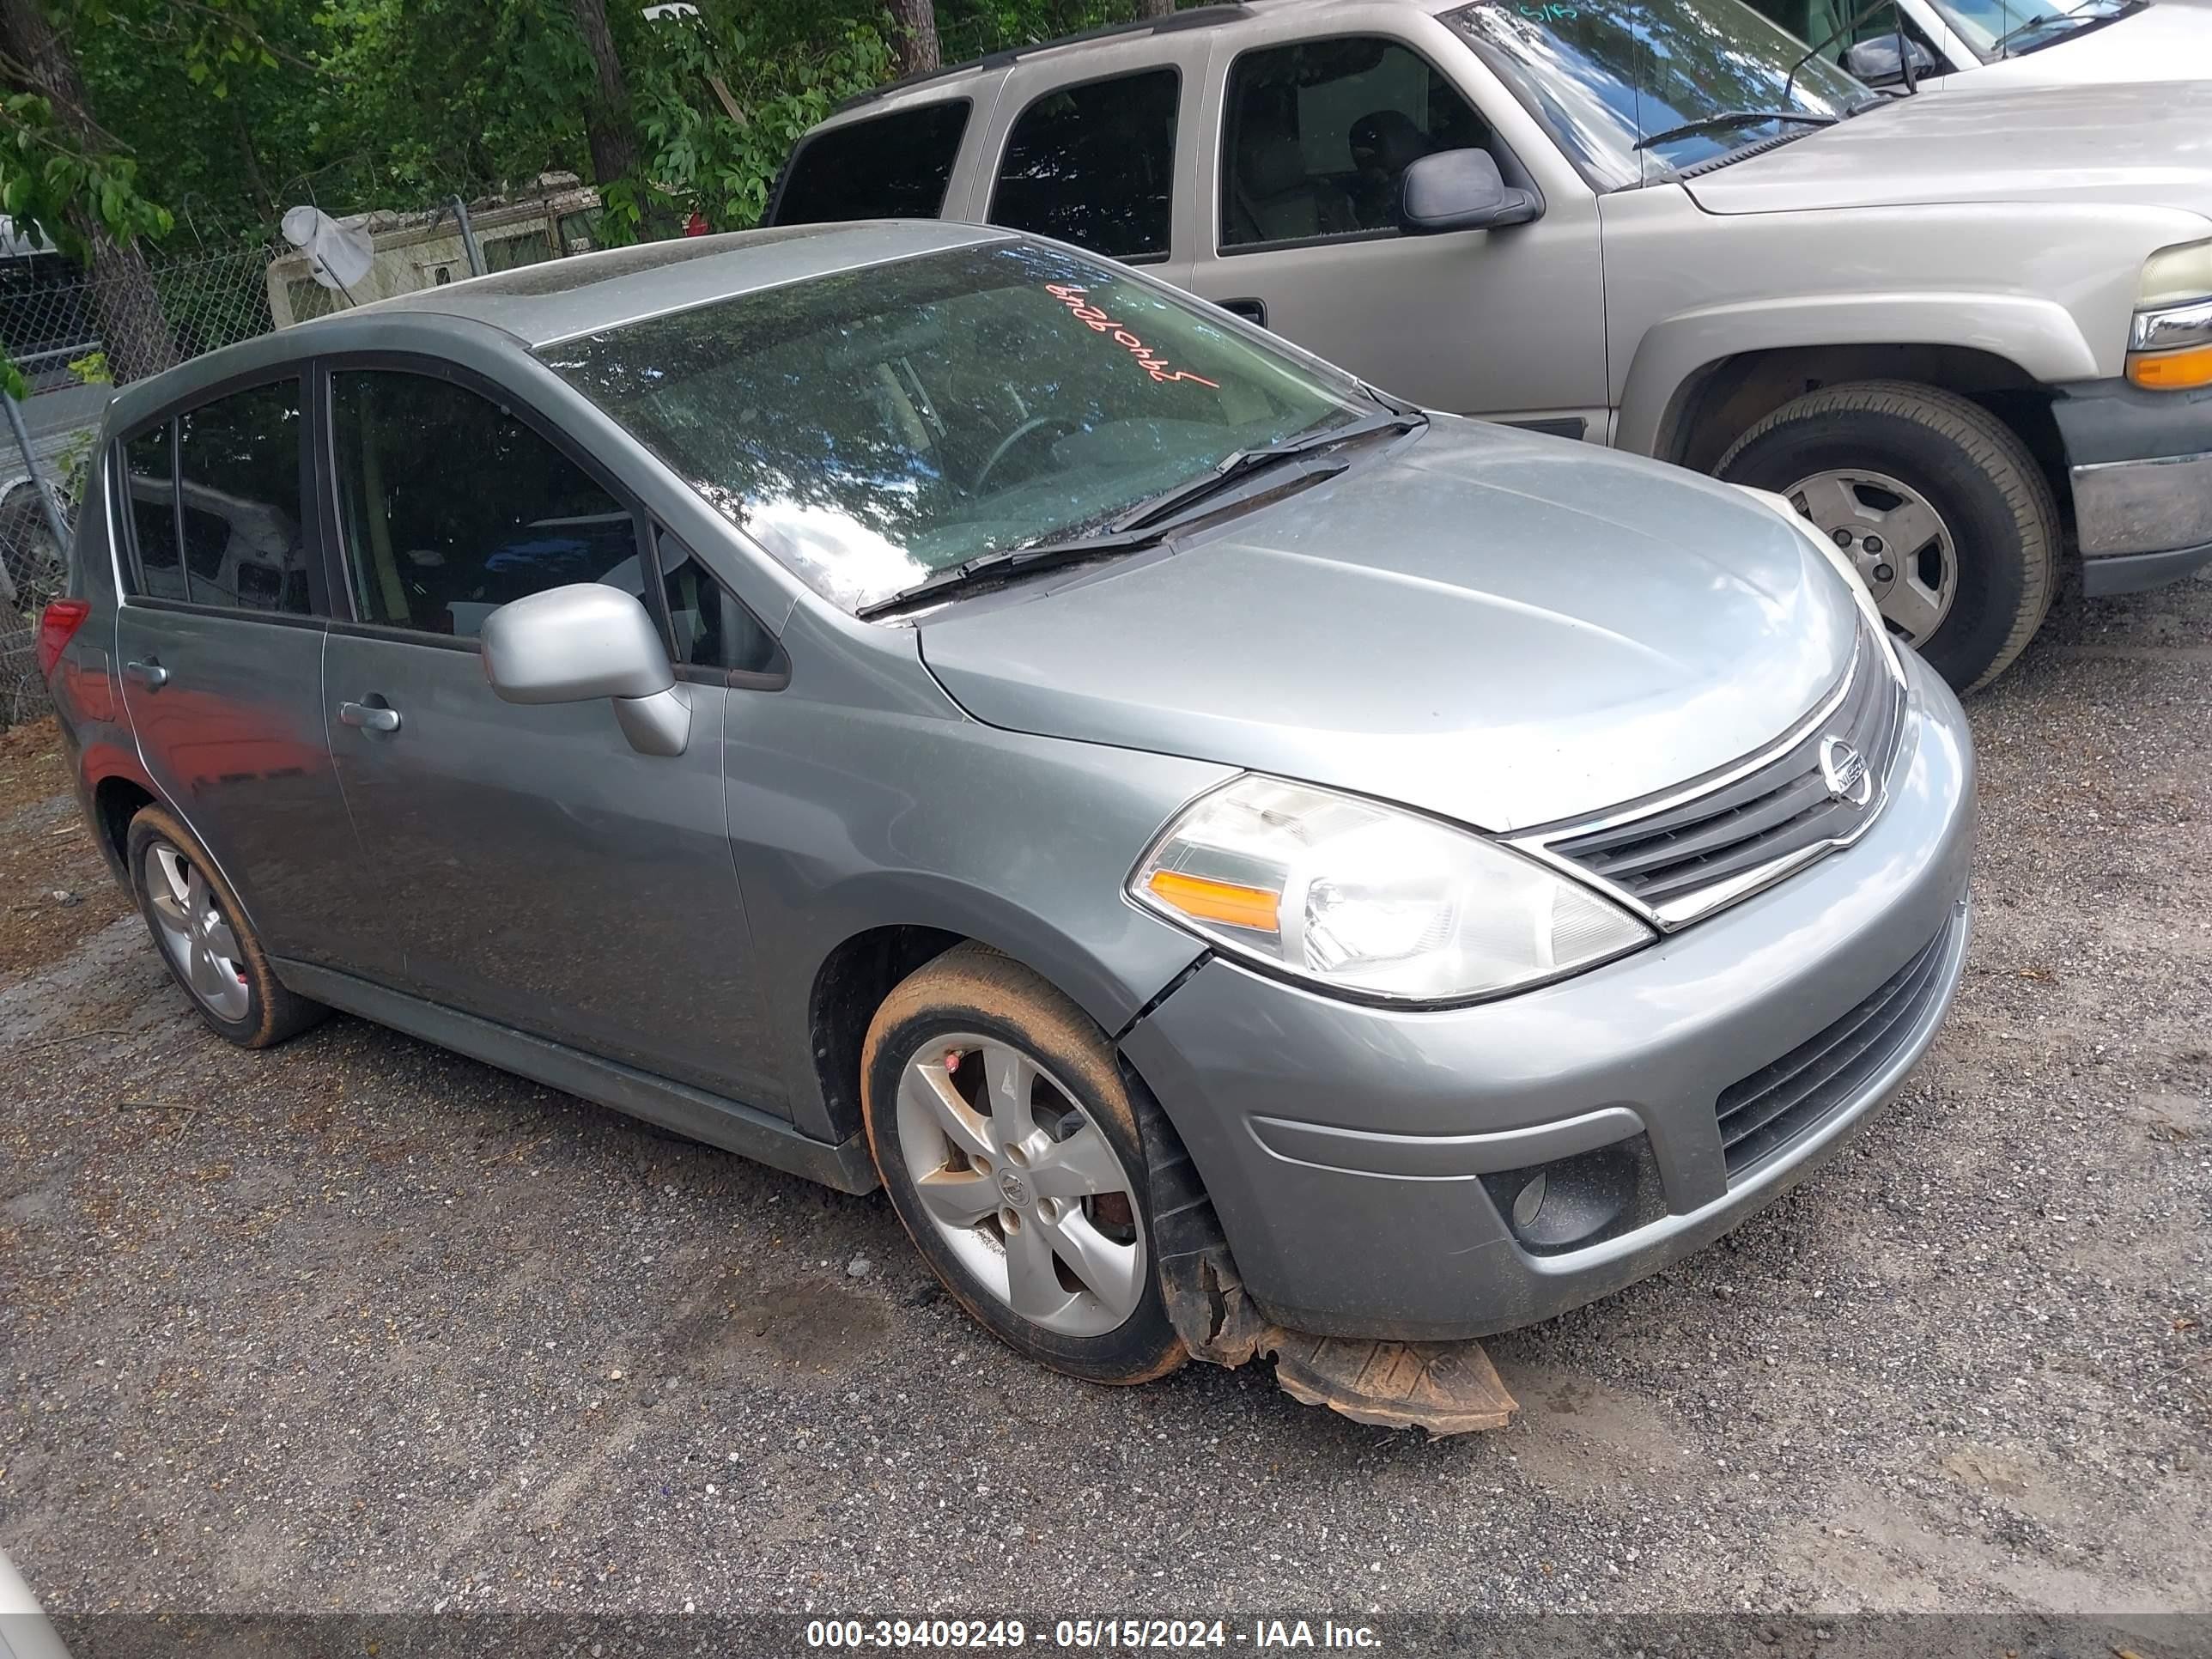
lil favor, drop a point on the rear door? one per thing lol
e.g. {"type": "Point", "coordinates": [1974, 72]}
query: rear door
{"type": "Point", "coordinates": [1305, 140]}
{"type": "Point", "coordinates": [525, 863]}
{"type": "Point", "coordinates": [1092, 148]}
{"type": "Point", "coordinates": [220, 636]}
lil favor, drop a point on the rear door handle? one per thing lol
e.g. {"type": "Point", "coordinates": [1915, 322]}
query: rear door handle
{"type": "Point", "coordinates": [1252, 311]}
{"type": "Point", "coordinates": [368, 717]}
{"type": "Point", "coordinates": [149, 674]}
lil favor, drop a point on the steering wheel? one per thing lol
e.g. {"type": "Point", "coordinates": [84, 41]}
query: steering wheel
{"type": "Point", "coordinates": [1020, 435]}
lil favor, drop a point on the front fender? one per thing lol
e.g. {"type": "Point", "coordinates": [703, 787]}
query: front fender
{"type": "Point", "coordinates": [2039, 337]}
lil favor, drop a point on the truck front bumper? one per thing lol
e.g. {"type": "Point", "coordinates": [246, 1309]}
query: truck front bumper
{"type": "Point", "coordinates": [1372, 1167]}
{"type": "Point", "coordinates": [2141, 466]}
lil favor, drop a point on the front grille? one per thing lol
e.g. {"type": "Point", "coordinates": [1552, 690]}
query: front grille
{"type": "Point", "coordinates": [1760, 1114]}
{"type": "Point", "coordinates": [1684, 859]}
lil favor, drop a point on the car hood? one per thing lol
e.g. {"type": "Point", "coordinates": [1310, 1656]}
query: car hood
{"type": "Point", "coordinates": [2164, 41]}
{"type": "Point", "coordinates": [1501, 628]}
{"type": "Point", "coordinates": [2145, 145]}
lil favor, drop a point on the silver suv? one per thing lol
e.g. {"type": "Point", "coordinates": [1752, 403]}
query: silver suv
{"type": "Point", "coordinates": [1960, 333]}
{"type": "Point", "coordinates": [917, 703]}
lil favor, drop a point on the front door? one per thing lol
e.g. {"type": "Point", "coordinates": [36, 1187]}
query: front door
{"type": "Point", "coordinates": [1308, 141]}
{"type": "Point", "coordinates": [530, 866]}
{"type": "Point", "coordinates": [220, 636]}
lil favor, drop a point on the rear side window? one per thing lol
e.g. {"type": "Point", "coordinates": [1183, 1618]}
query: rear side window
{"type": "Point", "coordinates": [240, 457]}
{"type": "Point", "coordinates": [1094, 165]}
{"type": "Point", "coordinates": [895, 167]}
{"type": "Point", "coordinates": [1318, 136]}
{"type": "Point", "coordinates": [451, 506]}
{"type": "Point", "coordinates": [149, 477]}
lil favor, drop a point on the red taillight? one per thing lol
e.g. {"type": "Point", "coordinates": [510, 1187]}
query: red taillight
{"type": "Point", "coordinates": [57, 625]}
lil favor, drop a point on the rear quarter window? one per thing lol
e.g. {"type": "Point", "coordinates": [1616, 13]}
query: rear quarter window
{"type": "Point", "coordinates": [898, 165]}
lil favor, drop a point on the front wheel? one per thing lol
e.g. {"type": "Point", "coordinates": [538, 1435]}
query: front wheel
{"type": "Point", "coordinates": [1007, 1144]}
{"type": "Point", "coordinates": [1935, 501]}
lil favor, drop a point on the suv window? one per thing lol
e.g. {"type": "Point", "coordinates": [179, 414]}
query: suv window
{"type": "Point", "coordinates": [1094, 165]}
{"type": "Point", "coordinates": [150, 479]}
{"type": "Point", "coordinates": [240, 457]}
{"type": "Point", "coordinates": [451, 506]}
{"type": "Point", "coordinates": [1317, 136]}
{"type": "Point", "coordinates": [895, 167]}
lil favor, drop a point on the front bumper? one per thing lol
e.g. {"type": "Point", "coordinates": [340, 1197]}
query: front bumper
{"type": "Point", "coordinates": [2141, 466]}
{"type": "Point", "coordinates": [1345, 1147]}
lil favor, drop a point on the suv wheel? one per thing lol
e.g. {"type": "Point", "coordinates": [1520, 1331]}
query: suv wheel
{"type": "Point", "coordinates": [203, 938]}
{"type": "Point", "coordinates": [1007, 1141]}
{"type": "Point", "coordinates": [1936, 501]}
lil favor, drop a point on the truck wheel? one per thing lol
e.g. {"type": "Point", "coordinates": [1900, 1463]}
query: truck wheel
{"type": "Point", "coordinates": [1007, 1141]}
{"type": "Point", "coordinates": [1936, 501]}
{"type": "Point", "coordinates": [204, 938]}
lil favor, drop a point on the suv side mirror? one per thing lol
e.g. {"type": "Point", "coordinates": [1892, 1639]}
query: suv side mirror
{"type": "Point", "coordinates": [1460, 189]}
{"type": "Point", "coordinates": [585, 641]}
{"type": "Point", "coordinates": [1876, 62]}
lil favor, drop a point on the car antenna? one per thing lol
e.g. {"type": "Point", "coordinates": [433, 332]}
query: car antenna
{"type": "Point", "coordinates": [1845, 27]}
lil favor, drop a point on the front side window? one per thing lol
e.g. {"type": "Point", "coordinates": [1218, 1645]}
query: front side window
{"type": "Point", "coordinates": [1834, 26]}
{"type": "Point", "coordinates": [1317, 136]}
{"type": "Point", "coordinates": [871, 426]}
{"type": "Point", "coordinates": [243, 543]}
{"type": "Point", "coordinates": [451, 506]}
{"type": "Point", "coordinates": [894, 167]}
{"type": "Point", "coordinates": [1094, 165]}
{"type": "Point", "coordinates": [1616, 86]}
{"type": "Point", "coordinates": [149, 480]}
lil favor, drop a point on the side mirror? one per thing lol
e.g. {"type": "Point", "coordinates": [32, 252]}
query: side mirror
{"type": "Point", "coordinates": [1460, 189]}
{"type": "Point", "coordinates": [1876, 62]}
{"type": "Point", "coordinates": [587, 641]}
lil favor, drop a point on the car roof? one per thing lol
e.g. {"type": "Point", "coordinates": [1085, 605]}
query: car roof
{"type": "Point", "coordinates": [1271, 14]}
{"type": "Point", "coordinates": [582, 294]}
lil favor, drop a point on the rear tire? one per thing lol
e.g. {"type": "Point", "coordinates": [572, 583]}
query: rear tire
{"type": "Point", "coordinates": [202, 934]}
{"type": "Point", "coordinates": [1855, 444]}
{"type": "Point", "coordinates": [981, 1081]}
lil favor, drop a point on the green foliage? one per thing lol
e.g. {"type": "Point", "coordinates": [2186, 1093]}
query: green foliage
{"type": "Point", "coordinates": [91, 369]}
{"type": "Point", "coordinates": [722, 164]}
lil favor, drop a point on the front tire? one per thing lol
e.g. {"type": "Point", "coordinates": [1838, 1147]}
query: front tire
{"type": "Point", "coordinates": [204, 939]}
{"type": "Point", "coordinates": [1007, 1141]}
{"type": "Point", "coordinates": [1937, 503]}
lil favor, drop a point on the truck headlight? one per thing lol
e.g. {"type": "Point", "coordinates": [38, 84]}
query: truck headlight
{"type": "Point", "coordinates": [2170, 340]}
{"type": "Point", "coordinates": [1369, 901]}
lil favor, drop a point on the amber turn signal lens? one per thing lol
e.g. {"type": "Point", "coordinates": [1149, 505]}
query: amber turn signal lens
{"type": "Point", "coordinates": [2172, 371]}
{"type": "Point", "coordinates": [1226, 901]}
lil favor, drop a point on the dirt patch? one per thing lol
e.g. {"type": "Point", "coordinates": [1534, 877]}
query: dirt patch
{"type": "Point", "coordinates": [57, 890]}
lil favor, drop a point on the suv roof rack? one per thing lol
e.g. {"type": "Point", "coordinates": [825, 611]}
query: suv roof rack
{"type": "Point", "coordinates": [1196, 17]}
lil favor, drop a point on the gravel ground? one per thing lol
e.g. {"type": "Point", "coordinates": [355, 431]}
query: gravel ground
{"type": "Point", "coordinates": [359, 1324]}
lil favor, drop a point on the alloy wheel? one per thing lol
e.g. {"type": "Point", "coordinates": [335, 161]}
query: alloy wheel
{"type": "Point", "coordinates": [1021, 1185]}
{"type": "Point", "coordinates": [198, 940]}
{"type": "Point", "coordinates": [1898, 541]}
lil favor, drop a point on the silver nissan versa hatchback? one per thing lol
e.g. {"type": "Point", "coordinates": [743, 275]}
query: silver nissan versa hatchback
{"type": "Point", "coordinates": [917, 704]}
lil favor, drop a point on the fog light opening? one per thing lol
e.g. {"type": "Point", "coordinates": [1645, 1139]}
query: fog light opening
{"type": "Point", "coordinates": [1529, 1204]}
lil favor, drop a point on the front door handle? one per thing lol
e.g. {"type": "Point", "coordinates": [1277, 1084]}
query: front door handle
{"type": "Point", "coordinates": [1252, 311]}
{"type": "Point", "coordinates": [370, 717]}
{"type": "Point", "coordinates": [149, 674]}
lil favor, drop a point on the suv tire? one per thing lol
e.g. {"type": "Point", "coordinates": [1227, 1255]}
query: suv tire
{"type": "Point", "coordinates": [198, 925]}
{"type": "Point", "coordinates": [1076, 1176]}
{"type": "Point", "coordinates": [1986, 490]}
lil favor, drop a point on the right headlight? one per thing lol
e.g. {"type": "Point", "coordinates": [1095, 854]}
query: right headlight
{"type": "Point", "coordinates": [2170, 339]}
{"type": "Point", "coordinates": [1366, 900]}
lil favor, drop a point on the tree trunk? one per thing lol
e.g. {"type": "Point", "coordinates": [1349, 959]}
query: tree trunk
{"type": "Point", "coordinates": [614, 149]}
{"type": "Point", "coordinates": [915, 26]}
{"type": "Point", "coordinates": [133, 329]}
{"type": "Point", "coordinates": [1156, 8]}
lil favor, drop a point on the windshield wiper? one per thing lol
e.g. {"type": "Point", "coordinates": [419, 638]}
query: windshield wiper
{"type": "Point", "coordinates": [2002, 45]}
{"type": "Point", "coordinates": [1734, 118]}
{"type": "Point", "coordinates": [1150, 522]}
{"type": "Point", "coordinates": [1241, 463]}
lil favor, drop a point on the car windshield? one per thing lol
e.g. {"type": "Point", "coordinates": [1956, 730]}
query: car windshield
{"type": "Point", "coordinates": [872, 427]}
{"type": "Point", "coordinates": [1607, 79]}
{"type": "Point", "coordinates": [1999, 28]}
